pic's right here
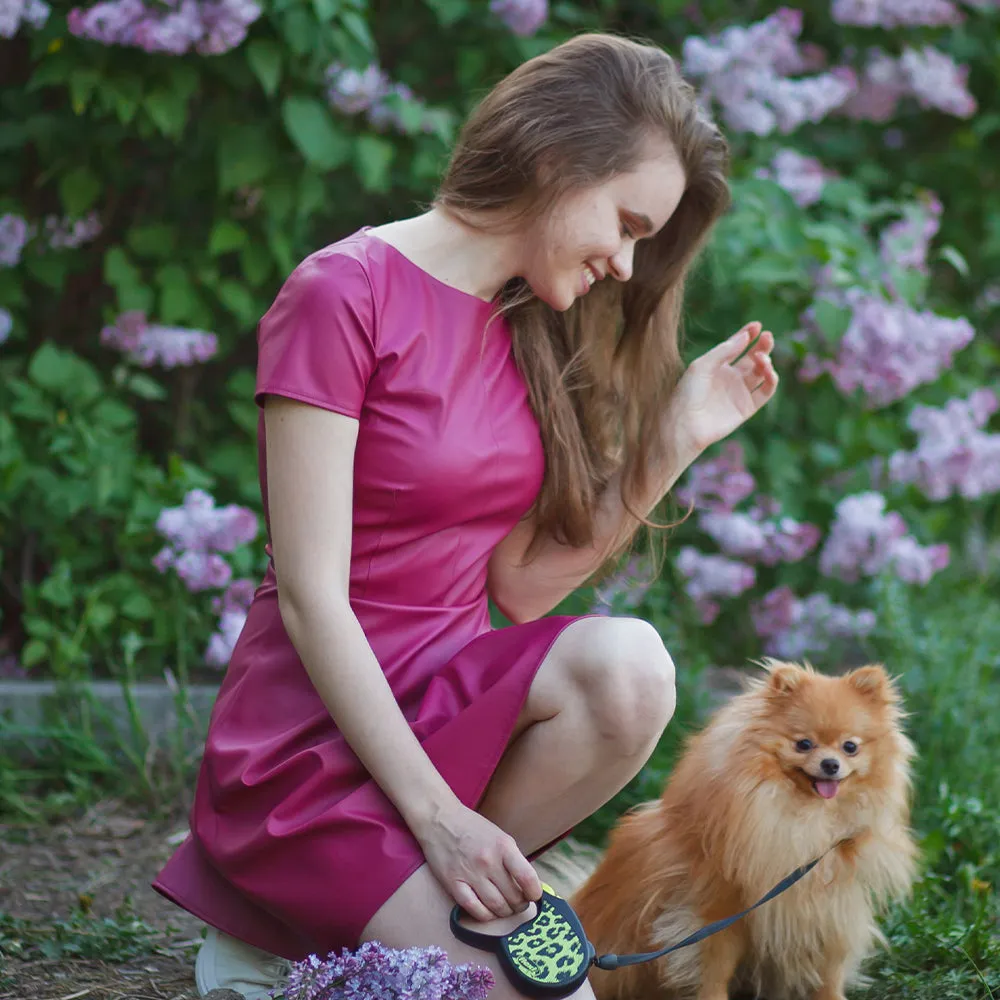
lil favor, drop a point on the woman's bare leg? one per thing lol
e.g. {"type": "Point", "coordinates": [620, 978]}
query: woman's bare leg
{"type": "Point", "coordinates": [596, 709]}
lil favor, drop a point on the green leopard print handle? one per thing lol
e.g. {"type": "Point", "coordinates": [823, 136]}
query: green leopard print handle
{"type": "Point", "coordinates": [550, 952]}
{"type": "Point", "coordinates": [547, 956]}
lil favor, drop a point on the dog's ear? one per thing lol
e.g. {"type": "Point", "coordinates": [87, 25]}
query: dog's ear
{"type": "Point", "coordinates": [784, 677]}
{"type": "Point", "coordinates": [873, 682]}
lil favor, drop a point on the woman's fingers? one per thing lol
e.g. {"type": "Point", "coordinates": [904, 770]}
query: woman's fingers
{"type": "Point", "coordinates": [466, 897]}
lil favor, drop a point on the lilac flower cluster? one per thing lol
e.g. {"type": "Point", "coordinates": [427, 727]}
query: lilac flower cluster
{"type": "Point", "coordinates": [928, 75]}
{"type": "Point", "coordinates": [197, 532]}
{"type": "Point", "coordinates": [954, 455]}
{"type": "Point", "coordinates": [888, 348]}
{"type": "Point", "coordinates": [906, 242]}
{"type": "Point", "coordinates": [208, 27]}
{"type": "Point", "coordinates": [792, 627]}
{"type": "Point", "coordinates": [895, 13]}
{"type": "Point", "coordinates": [801, 176]}
{"type": "Point", "coordinates": [14, 13]}
{"type": "Point", "coordinates": [710, 576]}
{"type": "Point", "coordinates": [522, 17]}
{"type": "Point", "coordinates": [56, 233]}
{"type": "Point", "coordinates": [717, 483]}
{"type": "Point", "coordinates": [14, 234]}
{"type": "Point", "coordinates": [65, 233]}
{"type": "Point", "coordinates": [864, 540]}
{"type": "Point", "coordinates": [370, 92]}
{"type": "Point", "coordinates": [760, 534]}
{"type": "Point", "coordinates": [150, 344]}
{"type": "Point", "coordinates": [232, 609]}
{"type": "Point", "coordinates": [625, 588]}
{"type": "Point", "coordinates": [6, 324]}
{"type": "Point", "coordinates": [375, 971]}
{"type": "Point", "coordinates": [746, 70]}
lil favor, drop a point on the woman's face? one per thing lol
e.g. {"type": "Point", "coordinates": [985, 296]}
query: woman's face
{"type": "Point", "coordinates": [590, 234]}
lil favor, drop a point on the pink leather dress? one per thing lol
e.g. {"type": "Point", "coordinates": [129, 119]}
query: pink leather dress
{"type": "Point", "coordinates": [293, 846]}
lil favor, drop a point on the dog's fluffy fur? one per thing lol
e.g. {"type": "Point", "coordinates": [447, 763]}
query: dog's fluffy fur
{"type": "Point", "coordinates": [747, 803]}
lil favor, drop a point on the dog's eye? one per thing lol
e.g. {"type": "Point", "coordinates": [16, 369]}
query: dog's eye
{"type": "Point", "coordinates": [804, 746]}
{"type": "Point", "coordinates": [850, 748]}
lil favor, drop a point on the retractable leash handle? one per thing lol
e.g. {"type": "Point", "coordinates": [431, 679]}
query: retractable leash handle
{"type": "Point", "coordinates": [549, 955]}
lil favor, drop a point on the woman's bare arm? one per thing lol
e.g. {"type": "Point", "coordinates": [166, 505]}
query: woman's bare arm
{"type": "Point", "coordinates": [310, 463]}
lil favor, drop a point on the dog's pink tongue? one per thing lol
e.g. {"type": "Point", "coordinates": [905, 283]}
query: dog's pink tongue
{"type": "Point", "coordinates": [827, 788]}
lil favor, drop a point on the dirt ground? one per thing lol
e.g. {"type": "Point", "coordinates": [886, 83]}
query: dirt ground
{"type": "Point", "coordinates": [107, 857]}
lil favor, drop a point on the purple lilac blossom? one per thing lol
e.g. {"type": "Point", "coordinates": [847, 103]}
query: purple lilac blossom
{"type": "Point", "coordinates": [232, 608]}
{"type": "Point", "coordinates": [208, 27]}
{"type": "Point", "coordinates": [717, 484]}
{"type": "Point", "coordinates": [954, 454]}
{"type": "Point", "coordinates": [928, 75]}
{"type": "Point", "coordinates": [151, 344]}
{"type": "Point", "coordinates": [14, 13]}
{"type": "Point", "coordinates": [758, 538]}
{"type": "Point", "coordinates": [895, 13]}
{"type": "Point", "coordinates": [888, 348]}
{"type": "Point", "coordinates": [906, 242]}
{"type": "Point", "coordinates": [864, 540]}
{"type": "Point", "coordinates": [375, 972]}
{"type": "Point", "coordinates": [197, 532]}
{"type": "Point", "coordinates": [522, 17]}
{"type": "Point", "coordinates": [14, 233]}
{"type": "Point", "coordinates": [801, 176]}
{"type": "Point", "coordinates": [745, 69]}
{"type": "Point", "coordinates": [6, 325]}
{"type": "Point", "coordinates": [370, 92]}
{"type": "Point", "coordinates": [625, 588]}
{"type": "Point", "coordinates": [65, 233]}
{"type": "Point", "coordinates": [709, 576]}
{"type": "Point", "coordinates": [794, 627]}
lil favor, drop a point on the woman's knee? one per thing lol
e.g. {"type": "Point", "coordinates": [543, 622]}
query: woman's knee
{"type": "Point", "coordinates": [626, 677]}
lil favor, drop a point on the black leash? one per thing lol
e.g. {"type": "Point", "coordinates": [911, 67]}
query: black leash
{"type": "Point", "coordinates": [550, 954]}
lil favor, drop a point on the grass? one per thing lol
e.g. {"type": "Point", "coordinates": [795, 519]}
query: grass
{"type": "Point", "coordinates": [944, 942]}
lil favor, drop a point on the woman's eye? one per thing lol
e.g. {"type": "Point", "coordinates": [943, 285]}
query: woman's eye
{"type": "Point", "coordinates": [850, 748]}
{"type": "Point", "coordinates": [627, 233]}
{"type": "Point", "coordinates": [804, 746]}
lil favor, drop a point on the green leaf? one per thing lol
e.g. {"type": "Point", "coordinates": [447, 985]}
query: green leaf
{"type": "Point", "coordinates": [255, 262]}
{"type": "Point", "coordinates": [156, 240]}
{"type": "Point", "coordinates": [264, 57]}
{"type": "Point", "coordinates": [33, 651]}
{"type": "Point", "coordinates": [311, 128]}
{"type": "Point", "coordinates": [178, 297]}
{"type": "Point", "coordinates": [448, 11]}
{"type": "Point", "coordinates": [51, 368]}
{"type": "Point", "coordinates": [226, 236]}
{"type": "Point", "coordinates": [373, 158]}
{"type": "Point", "coordinates": [167, 107]}
{"type": "Point", "coordinates": [145, 387]}
{"type": "Point", "coordinates": [234, 296]}
{"type": "Point", "coordinates": [299, 30]}
{"type": "Point", "coordinates": [78, 190]}
{"type": "Point", "coordinates": [326, 10]}
{"type": "Point", "coordinates": [138, 607]}
{"type": "Point", "coordinates": [245, 157]}
{"type": "Point", "coordinates": [114, 414]}
{"type": "Point", "coordinates": [833, 320]}
{"type": "Point", "coordinates": [356, 26]}
{"type": "Point", "coordinates": [957, 261]}
{"type": "Point", "coordinates": [125, 278]}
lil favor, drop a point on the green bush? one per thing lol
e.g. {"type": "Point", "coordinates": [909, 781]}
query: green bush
{"type": "Point", "coordinates": [211, 175]}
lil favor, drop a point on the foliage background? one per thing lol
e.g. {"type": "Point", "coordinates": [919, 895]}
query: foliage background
{"type": "Point", "coordinates": [195, 183]}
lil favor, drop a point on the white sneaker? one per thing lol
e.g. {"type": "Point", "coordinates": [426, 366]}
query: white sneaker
{"type": "Point", "coordinates": [225, 962]}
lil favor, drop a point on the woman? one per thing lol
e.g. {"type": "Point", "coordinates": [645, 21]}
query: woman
{"type": "Point", "coordinates": [484, 399]}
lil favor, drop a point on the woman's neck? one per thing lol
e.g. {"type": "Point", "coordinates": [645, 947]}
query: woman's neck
{"type": "Point", "coordinates": [471, 260]}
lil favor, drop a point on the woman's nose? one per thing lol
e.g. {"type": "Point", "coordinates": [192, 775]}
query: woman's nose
{"type": "Point", "coordinates": [620, 265]}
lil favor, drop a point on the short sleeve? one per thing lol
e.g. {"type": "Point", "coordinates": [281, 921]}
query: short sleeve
{"type": "Point", "coordinates": [316, 342]}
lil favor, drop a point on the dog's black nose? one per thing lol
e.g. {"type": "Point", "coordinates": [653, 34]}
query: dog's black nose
{"type": "Point", "coordinates": [830, 766]}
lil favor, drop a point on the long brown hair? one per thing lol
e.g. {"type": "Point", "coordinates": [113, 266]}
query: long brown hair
{"type": "Point", "coordinates": [599, 375]}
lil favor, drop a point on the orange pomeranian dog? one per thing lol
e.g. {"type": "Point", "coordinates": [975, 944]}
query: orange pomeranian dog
{"type": "Point", "coordinates": [795, 765]}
